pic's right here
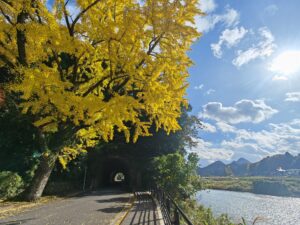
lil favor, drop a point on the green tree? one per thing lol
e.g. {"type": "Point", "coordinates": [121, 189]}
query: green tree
{"type": "Point", "coordinates": [116, 65]}
{"type": "Point", "coordinates": [177, 175]}
{"type": "Point", "coordinates": [19, 147]}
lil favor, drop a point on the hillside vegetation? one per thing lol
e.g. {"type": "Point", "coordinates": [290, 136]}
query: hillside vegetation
{"type": "Point", "coordinates": [279, 186]}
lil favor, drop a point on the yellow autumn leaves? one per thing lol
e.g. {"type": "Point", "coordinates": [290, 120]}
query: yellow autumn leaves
{"type": "Point", "coordinates": [113, 65]}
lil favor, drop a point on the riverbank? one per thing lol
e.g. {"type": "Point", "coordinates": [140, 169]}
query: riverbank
{"type": "Point", "coordinates": [276, 186]}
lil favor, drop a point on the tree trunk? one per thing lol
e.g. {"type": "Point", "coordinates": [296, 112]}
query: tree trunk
{"type": "Point", "coordinates": [21, 39]}
{"type": "Point", "coordinates": [41, 176]}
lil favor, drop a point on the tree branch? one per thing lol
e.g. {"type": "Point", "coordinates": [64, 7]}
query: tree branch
{"type": "Point", "coordinates": [7, 2]}
{"type": "Point", "coordinates": [6, 17]}
{"type": "Point", "coordinates": [153, 43]}
{"type": "Point", "coordinates": [4, 59]}
{"type": "Point", "coordinates": [67, 18]}
{"type": "Point", "coordinates": [81, 14]}
{"type": "Point", "coordinates": [21, 39]}
{"type": "Point", "coordinates": [93, 87]}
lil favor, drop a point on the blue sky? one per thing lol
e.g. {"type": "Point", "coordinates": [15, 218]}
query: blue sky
{"type": "Point", "coordinates": [245, 81]}
{"type": "Point", "coordinates": [244, 84]}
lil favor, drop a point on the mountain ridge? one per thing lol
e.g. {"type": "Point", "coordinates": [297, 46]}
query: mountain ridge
{"type": "Point", "coordinates": [268, 166]}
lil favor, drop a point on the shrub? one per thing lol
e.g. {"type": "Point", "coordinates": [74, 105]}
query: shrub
{"type": "Point", "coordinates": [11, 184]}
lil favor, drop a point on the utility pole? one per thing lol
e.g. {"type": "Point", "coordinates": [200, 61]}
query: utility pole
{"type": "Point", "coordinates": [84, 178]}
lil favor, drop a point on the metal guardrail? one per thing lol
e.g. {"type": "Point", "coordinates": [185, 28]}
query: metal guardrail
{"type": "Point", "coordinates": [172, 213]}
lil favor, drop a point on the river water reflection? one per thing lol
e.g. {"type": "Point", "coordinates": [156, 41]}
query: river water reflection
{"type": "Point", "coordinates": [271, 210]}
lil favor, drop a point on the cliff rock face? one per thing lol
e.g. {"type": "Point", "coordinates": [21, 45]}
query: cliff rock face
{"type": "Point", "coordinates": [242, 167]}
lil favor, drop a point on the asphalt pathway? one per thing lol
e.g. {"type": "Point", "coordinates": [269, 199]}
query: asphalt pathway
{"type": "Point", "coordinates": [95, 208]}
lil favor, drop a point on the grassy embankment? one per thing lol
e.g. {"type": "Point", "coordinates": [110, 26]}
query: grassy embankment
{"type": "Point", "coordinates": [268, 185]}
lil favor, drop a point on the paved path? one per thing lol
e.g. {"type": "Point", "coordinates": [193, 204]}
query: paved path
{"type": "Point", "coordinates": [144, 211]}
{"type": "Point", "coordinates": [96, 208]}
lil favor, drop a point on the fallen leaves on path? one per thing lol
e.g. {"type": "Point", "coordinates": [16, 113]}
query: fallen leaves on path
{"type": "Point", "coordinates": [10, 208]}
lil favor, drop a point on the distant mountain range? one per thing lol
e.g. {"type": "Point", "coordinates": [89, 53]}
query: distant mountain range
{"type": "Point", "coordinates": [242, 167]}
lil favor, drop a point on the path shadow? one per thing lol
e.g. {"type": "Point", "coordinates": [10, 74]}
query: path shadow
{"type": "Point", "coordinates": [100, 192]}
{"type": "Point", "coordinates": [111, 209]}
{"type": "Point", "coordinates": [118, 199]}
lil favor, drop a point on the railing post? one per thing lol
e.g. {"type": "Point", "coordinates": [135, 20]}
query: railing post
{"type": "Point", "coordinates": [171, 211]}
{"type": "Point", "coordinates": [168, 205]}
{"type": "Point", "coordinates": [176, 217]}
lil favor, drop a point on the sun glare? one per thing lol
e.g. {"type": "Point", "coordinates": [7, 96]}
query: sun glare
{"type": "Point", "coordinates": [287, 63]}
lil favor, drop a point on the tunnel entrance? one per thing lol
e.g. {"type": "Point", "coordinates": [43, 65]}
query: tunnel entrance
{"type": "Point", "coordinates": [116, 169]}
{"type": "Point", "coordinates": [119, 177]}
{"type": "Point", "coordinates": [115, 173]}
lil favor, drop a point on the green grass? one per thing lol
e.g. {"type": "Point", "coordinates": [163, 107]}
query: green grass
{"type": "Point", "coordinates": [245, 184]}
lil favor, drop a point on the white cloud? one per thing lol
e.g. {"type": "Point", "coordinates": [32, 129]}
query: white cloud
{"type": "Point", "coordinates": [278, 77]}
{"type": "Point", "coordinates": [232, 37]}
{"type": "Point", "coordinates": [208, 153]}
{"type": "Point", "coordinates": [254, 111]}
{"type": "Point", "coordinates": [210, 91]}
{"type": "Point", "coordinates": [271, 9]}
{"type": "Point", "coordinates": [249, 151]}
{"type": "Point", "coordinates": [225, 128]}
{"type": "Point", "coordinates": [252, 145]}
{"type": "Point", "coordinates": [229, 37]}
{"type": "Point", "coordinates": [287, 63]}
{"type": "Point", "coordinates": [261, 50]}
{"type": "Point", "coordinates": [230, 18]}
{"type": "Point", "coordinates": [206, 23]}
{"type": "Point", "coordinates": [279, 138]}
{"type": "Point", "coordinates": [209, 127]}
{"type": "Point", "coordinates": [199, 87]}
{"type": "Point", "coordinates": [217, 49]}
{"type": "Point", "coordinates": [292, 97]}
{"type": "Point", "coordinates": [207, 6]}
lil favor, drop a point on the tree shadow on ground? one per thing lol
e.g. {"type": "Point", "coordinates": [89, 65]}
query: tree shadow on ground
{"type": "Point", "coordinates": [111, 209]}
{"type": "Point", "coordinates": [118, 199]}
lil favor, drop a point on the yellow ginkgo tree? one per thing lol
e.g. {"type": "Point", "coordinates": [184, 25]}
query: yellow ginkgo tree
{"type": "Point", "coordinates": [107, 66]}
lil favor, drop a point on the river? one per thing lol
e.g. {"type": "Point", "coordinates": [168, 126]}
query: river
{"type": "Point", "coordinates": [271, 210]}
